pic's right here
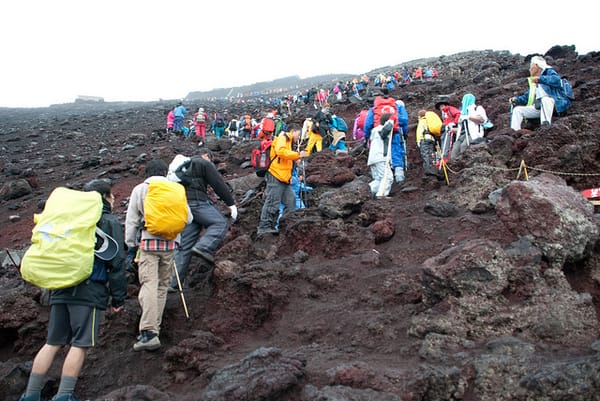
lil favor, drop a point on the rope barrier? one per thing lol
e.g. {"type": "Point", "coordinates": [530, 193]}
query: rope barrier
{"type": "Point", "coordinates": [522, 169]}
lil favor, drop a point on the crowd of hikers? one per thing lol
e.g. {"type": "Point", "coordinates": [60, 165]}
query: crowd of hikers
{"type": "Point", "coordinates": [171, 217]}
{"type": "Point", "coordinates": [441, 134]}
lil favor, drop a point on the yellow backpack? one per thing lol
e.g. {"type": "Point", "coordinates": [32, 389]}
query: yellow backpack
{"type": "Point", "coordinates": [165, 209]}
{"type": "Point", "coordinates": [63, 239]}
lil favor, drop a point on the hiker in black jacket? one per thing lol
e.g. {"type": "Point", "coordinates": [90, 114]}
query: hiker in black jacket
{"type": "Point", "coordinates": [75, 313]}
{"type": "Point", "coordinates": [196, 176]}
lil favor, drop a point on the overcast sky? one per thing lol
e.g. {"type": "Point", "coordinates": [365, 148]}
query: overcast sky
{"type": "Point", "coordinates": [55, 50]}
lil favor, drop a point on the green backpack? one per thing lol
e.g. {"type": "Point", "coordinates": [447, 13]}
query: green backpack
{"type": "Point", "coordinates": [63, 239]}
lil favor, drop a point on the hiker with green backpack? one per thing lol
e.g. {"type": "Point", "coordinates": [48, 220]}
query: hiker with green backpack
{"type": "Point", "coordinates": [76, 311]}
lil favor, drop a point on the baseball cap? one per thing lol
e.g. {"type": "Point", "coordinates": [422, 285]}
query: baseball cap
{"type": "Point", "coordinates": [106, 247]}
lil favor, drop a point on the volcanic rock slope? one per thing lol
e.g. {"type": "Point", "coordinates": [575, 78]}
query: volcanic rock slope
{"type": "Point", "coordinates": [481, 287]}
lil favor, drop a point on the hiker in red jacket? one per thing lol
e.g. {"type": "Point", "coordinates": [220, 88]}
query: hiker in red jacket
{"type": "Point", "coordinates": [450, 117]}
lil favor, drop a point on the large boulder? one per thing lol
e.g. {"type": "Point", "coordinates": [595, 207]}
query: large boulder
{"type": "Point", "coordinates": [551, 215]}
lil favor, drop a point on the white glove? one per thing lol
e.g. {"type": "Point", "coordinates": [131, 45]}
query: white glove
{"type": "Point", "coordinates": [233, 210]}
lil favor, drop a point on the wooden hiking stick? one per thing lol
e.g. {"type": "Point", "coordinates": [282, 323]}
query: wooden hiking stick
{"type": "Point", "coordinates": [187, 315]}
{"type": "Point", "coordinates": [382, 184]}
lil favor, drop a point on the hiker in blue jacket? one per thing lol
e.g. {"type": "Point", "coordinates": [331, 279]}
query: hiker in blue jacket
{"type": "Point", "coordinates": [541, 98]}
{"type": "Point", "coordinates": [76, 312]}
{"type": "Point", "coordinates": [398, 161]}
{"type": "Point", "coordinates": [179, 114]}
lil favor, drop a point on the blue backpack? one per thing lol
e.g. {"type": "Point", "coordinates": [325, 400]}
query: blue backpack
{"type": "Point", "coordinates": [566, 89]}
{"type": "Point", "coordinates": [340, 124]}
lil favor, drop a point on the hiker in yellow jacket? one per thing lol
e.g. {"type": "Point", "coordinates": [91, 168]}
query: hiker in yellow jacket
{"type": "Point", "coordinates": [428, 130]}
{"type": "Point", "coordinates": [319, 129]}
{"type": "Point", "coordinates": [279, 178]}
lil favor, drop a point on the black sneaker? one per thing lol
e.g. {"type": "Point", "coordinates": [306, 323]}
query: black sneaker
{"type": "Point", "coordinates": [204, 255]}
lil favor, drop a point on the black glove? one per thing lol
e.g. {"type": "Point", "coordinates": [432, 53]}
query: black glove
{"type": "Point", "coordinates": [131, 264]}
{"type": "Point", "coordinates": [385, 131]}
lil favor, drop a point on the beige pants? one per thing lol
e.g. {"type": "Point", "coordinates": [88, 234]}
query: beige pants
{"type": "Point", "coordinates": [544, 113]}
{"type": "Point", "coordinates": [154, 272]}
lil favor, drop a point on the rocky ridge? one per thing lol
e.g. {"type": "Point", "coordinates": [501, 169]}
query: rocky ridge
{"type": "Point", "coordinates": [485, 288]}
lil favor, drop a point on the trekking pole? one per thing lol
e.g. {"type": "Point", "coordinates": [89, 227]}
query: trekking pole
{"type": "Point", "coordinates": [303, 192]}
{"type": "Point", "coordinates": [453, 150]}
{"type": "Point", "coordinates": [13, 261]}
{"type": "Point", "coordinates": [404, 146]}
{"type": "Point", "coordinates": [543, 112]}
{"type": "Point", "coordinates": [187, 315]}
{"type": "Point", "coordinates": [444, 144]}
{"type": "Point", "coordinates": [303, 171]}
{"type": "Point", "coordinates": [382, 184]}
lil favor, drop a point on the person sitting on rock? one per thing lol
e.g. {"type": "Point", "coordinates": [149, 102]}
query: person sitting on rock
{"type": "Point", "coordinates": [541, 98]}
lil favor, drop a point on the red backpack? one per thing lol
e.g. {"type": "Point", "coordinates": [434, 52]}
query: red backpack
{"type": "Point", "coordinates": [382, 106]}
{"type": "Point", "coordinates": [261, 158]}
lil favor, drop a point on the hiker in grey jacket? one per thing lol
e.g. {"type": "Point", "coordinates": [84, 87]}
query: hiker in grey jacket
{"type": "Point", "coordinates": [155, 259]}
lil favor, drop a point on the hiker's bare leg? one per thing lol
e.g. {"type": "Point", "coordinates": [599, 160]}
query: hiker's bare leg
{"type": "Point", "coordinates": [74, 361]}
{"type": "Point", "coordinates": [44, 358]}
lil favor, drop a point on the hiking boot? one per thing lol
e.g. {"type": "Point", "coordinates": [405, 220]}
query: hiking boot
{"type": "Point", "coordinates": [29, 398]}
{"type": "Point", "coordinates": [148, 342]}
{"type": "Point", "coordinates": [65, 397]}
{"type": "Point", "coordinates": [263, 231]}
{"type": "Point", "coordinates": [545, 123]}
{"type": "Point", "coordinates": [204, 255]}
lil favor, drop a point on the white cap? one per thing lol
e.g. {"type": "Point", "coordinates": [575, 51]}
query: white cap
{"type": "Point", "coordinates": [539, 61]}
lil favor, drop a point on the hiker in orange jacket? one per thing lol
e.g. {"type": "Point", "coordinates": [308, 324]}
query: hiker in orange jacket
{"type": "Point", "coordinates": [279, 178]}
